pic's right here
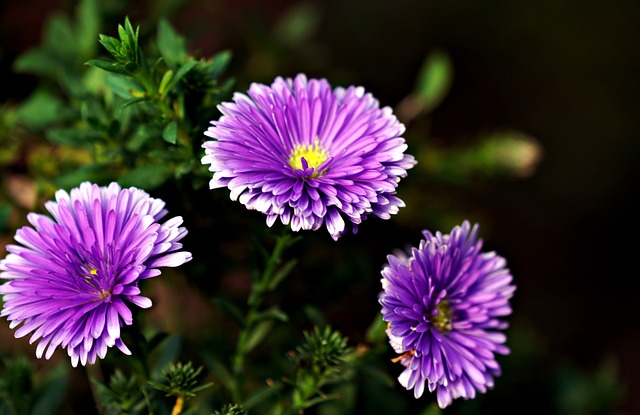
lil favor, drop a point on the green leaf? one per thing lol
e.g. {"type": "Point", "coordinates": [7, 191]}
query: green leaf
{"type": "Point", "coordinates": [219, 63]}
{"type": "Point", "coordinates": [376, 333]}
{"type": "Point", "coordinates": [282, 273]}
{"type": "Point", "coordinates": [87, 27]}
{"type": "Point", "coordinates": [130, 102]}
{"type": "Point", "coordinates": [219, 369]}
{"type": "Point", "coordinates": [123, 86]}
{"type": "Point", "coordinates": [171, 45]}
{"type": "Point", "coordinates": [261, 394]}
{"type": "Point", "coordinates": [378, 374]}
{"type": "Point", "coordinates": [59, 36]}
{"type": "Point", "coordinates": [258, 333]}
{"type": "Point", "coordinates": [230, 309]}
{"type": "Point", "coordinates": [142, 135]}
{"type": "Point", "coordinates": [52, 393]}
{"type": "Point", "coordinates": [434, 79]}
{"type": "Point", "coordinates": [273, 314]}
{"type": "Point", "coordinates": [147, 177]}
{"type": "Point", "coordinates": [96, 173]}
{"type": "Point", "coordinates": [170, 132]}
{"type": "Point", "coordinates": [111, 44]}
{"type": "Point", "coordinates": [180, 73]}
{"type": "Point", "coordinates": [432, 410]}
{"type": "Point", "coordinates": [39, 110]}
{"type": "Point", "coordinates": [108, 66]}
{"type": "Point", "coordinates": [165, 80]}
{"type": "Point", "coordinates": [298, 23]}
{"type": "Point", "coordinates": [72, 136]}
{"type": "Point", "coordinates": [168, 351]}
{"type": "Point", "coordinates": [315, 316]}
{"type": "Point", "coordinates": [37, 61]}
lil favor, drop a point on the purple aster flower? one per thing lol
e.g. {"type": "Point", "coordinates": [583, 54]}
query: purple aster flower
{"type": "Point", "coordinates": [308, 154]}
{"type": "Point", "coordinates": [443, 304]}
{"type": "Point", "coordinates": [71, 279]}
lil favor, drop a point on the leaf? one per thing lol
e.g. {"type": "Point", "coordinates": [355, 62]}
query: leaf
{"type": "Point", "coordinates": [96, 173]}
{"type": "Point", "coordinates": [37, 61]}
{"type": "Point", "coordinates": [39, 110]}
{"type": "Point", "coordinates": [87, 27]}
{"type": "Point", "coordinates": [52, 393]}
{"type": "Point", "coordinates": [298, 23]}
{"type": "Point", "coordinates": [108, 66]}
{"type": "Point", "coordinates": [111, 44]}
{"type": "Point", "coordinates": [376, 333]}
{"type": "Point", "coordinates": [315, 316]}
{"type": "Point", "coordinates": [165, 80]}
{"type": "Point", "coordinates": [180, 73]}
{"type": "Point", "coordinates": [167, 352]}
{"type": "Point", "coordinates": [257, 335]}
{"type": "Point", "coordinates": [231, 310]}
{"type": "Point", "coordinates": [432, 410]}
{"type": "Point", "coordinates": [282, 273]}
{"type": "Point", "coordinates": [142, 135]}
{"type": "Point", "coordinates": [379, 375]}
{"type": "Point", "coordinates": [273, 314]}
{"type": "Point", "coordinates": [148, 176]}
{"type": "Point", "coordinates": [130, 102]}
{"type": "Point", "coordinates": [170, 132]}
{"type": "Point", "coordinates": [171, 45]}
{"type": "Point", "coordinates": [219, 369]}
{"type": "Point", "coordinates": [434, 79]}
{"type": "Point", "coordinates": [219, 64]}
{"type": "Point", "coordinates": [261, 394]}
{"type": "Point", "coordinates": [123, 86]}
{"type": "Point", "coordinates": [59, 37]}
{"type": "Point", "coordinates": [72, 136]}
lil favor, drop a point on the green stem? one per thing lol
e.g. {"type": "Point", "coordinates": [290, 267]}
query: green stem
{"type": "Point", "coordinates": [267, 281]}
{"type": "Point", "coordinates": [94, 372]}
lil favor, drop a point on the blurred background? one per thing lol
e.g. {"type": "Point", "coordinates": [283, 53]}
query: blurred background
{"type": "Point", "coordinates": [547, 90]}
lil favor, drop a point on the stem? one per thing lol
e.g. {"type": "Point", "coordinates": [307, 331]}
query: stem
{"type": "Point", "coordinates": [94, 372]}
{"type": "Point", "coordinates": [177, 408]}
{"type": "Point", "coordinates": [267, 281]}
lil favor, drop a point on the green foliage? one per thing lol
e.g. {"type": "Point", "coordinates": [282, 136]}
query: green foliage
{"type": "Point", "coordinates": [231, 409]}
{"type": "Point", "coordinates": [180, 380]}
{"type": "Point", "coordinates": [322, 352]}
{"type": "Point", "coordinates": [582, 393]}
{"type": "Point", "coordinates": [123, 395]}
{"type": "Point", "coordinates": [139, 115]}
{"type": "Point", "coordinates": [320, 361]}
{"type": "Point", "coordinates": [23, 391]}
{"type": "Point", "coordinates": [502, 154]}
{"type": "Point", "coordinates": [433, 82]}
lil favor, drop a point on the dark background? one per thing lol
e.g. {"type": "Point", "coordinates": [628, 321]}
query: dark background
{"type": "Point", "coordinates": [562, 71]}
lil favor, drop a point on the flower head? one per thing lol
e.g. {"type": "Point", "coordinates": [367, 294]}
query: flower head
{"type": "Point", "coordinates": [443, 304]}
{"type": "Point", "coordinates": [308, 154]}
{"type": "Point", "coordinates": [72, 278]}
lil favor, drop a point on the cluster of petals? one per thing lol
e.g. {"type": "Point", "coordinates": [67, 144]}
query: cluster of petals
{"type": "Point", "coordinates": [444, 303]}
{"type": "Point", "coordinates": [308, 154]}
{"type": "Point", "coordinates": [72, 277]}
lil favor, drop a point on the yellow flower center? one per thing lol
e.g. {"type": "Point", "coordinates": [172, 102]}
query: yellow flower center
{"type": "Point", "coordinates": [442, 320]}
{"type": "Point", "coordinates": [314, 155]}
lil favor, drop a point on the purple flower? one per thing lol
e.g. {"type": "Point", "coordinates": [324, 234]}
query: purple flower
{"type": "Point", "coordinates": [71, 279]}
{"type": "Point", "coordinates": [443, 305]}
{"type": "Point", "coordinates": [307, 154]}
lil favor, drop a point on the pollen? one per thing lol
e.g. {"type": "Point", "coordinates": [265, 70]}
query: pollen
{"type": "Point", "coordinates": [442, 320]}
{"type": "Point", "coordinates": [410, 353]}
{"type": "Point", "coordinates": [92, 272]}
{"type": "Point", "coordinates": [313, 154]}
